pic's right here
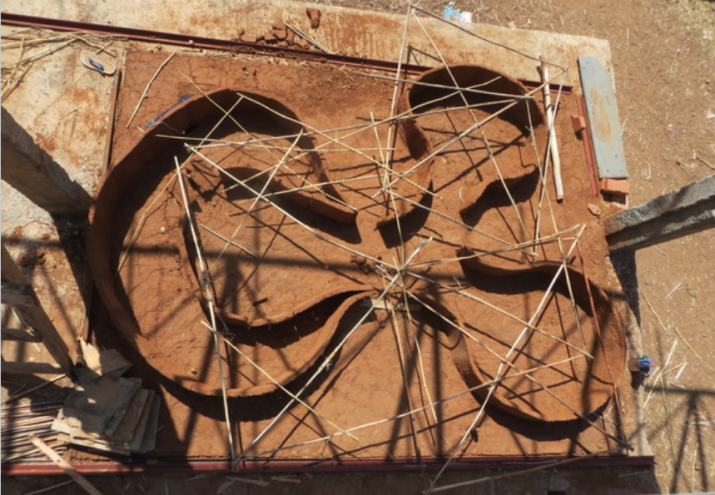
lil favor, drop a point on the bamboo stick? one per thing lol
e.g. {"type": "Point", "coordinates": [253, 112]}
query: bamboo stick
{"type": "Point", "coordinates": [146, 89]}
{"type": "Point", "coordinates": [485, 479]}
{"type": "Point", "coordinates": [206, 284]}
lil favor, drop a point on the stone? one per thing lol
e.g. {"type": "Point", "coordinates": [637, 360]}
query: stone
{"type": "Point", "coordinates": [594, 209]}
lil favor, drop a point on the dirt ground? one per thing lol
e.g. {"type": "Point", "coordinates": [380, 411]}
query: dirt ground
{"type": "Point", "coordinates": [664, 58]}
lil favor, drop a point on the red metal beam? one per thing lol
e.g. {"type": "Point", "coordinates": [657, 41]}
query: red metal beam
{"type": "Point", "coordinates": [406, 464]}
{"type": "Point", "coordinates": [152, 36]}
{"type": "Point", "coordinates": [185, 40]}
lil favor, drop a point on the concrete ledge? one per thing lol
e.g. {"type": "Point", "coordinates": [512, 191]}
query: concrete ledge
{"type": "Point", "coordinates": [686, 211]}
{"type": "Point", "coordinates": [32, 171]}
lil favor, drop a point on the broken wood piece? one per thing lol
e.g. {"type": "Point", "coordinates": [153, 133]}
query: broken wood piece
{"type": "Point", "coordinates": [20, 335]}
{"type": "Point", "coordinates": [60, 345]}
{"type": "Point", "coordinates": [33, 389]}
{"type": "Point", "coordinates": [148, 443]}
{"type": "Point", "coordinates": [129, 424]}
{"type": "Point", "coordinates": [106, 362]}
{"type": "Point", "coordinates": [66, 467]}
{"type": "Point", "coordinates": [30, 368]}
{"type": "Point", "coordinates": [92, 408]}
{"type": "Point", "coordinates": [17, 295]}
{"type": "Point", "coordinates": [136, 434]}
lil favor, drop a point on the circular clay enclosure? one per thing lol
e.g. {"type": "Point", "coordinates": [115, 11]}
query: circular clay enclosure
{"type": "Point", "coordinates": [296, 215]}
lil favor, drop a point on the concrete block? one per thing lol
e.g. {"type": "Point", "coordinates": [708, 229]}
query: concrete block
{"type": "Point", "coordinates": [32, 171]}
{"type": "Point", "coordinates": [683, 212]}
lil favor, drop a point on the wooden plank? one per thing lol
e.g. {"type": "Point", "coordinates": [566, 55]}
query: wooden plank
{"type": "Point", "coordinates": [66, 467]}
{"type": "Point", "coordinates": [35, 317]}
{"type": "Point", "coordinates": [17, 294]}
{"type": "Point", "coordinates": [19, 335]}
{"type": "Point", "coordinates": [31, 368]}
{"type": "Point", "coordinates": [97, 407]}
{"type": "Point", "coordinates": [602, 110]}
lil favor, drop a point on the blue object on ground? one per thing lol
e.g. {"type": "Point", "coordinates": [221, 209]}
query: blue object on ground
{"type": "Point", "coordinates": [97, 65]}
{"type": "Point", "coordinates": [645, 365]}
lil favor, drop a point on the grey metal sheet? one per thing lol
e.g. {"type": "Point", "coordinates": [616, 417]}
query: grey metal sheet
{"type": "Point", "coordinates": [603, 119]}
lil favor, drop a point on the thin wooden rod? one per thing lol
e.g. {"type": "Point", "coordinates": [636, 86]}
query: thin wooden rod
{"type": "Point", "coordinates": [146, 89]}
{"type": "Point", "coordinates": [415, 7]}
{"type": "Point", "coordinates": [206, 284]}
{"type": "Point", "coordinates": [468, 89]}
{"type": "Point", "coordinates": [546, 465]}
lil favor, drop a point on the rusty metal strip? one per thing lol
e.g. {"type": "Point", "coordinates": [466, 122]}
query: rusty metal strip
{"type": "Point", "coordinates": [406, 464]}
{"type": "Point", "coordinates": [187, 41]}
{"type": "Point", "coordinates": [588, 147]}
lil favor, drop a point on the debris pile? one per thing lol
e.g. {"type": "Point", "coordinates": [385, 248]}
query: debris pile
{"type": "Point", "coordinates": [107, 412]}
{"type": "Point", "coordinates": [285, 35]}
